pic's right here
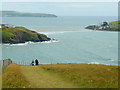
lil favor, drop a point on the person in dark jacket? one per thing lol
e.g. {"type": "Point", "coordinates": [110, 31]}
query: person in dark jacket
{"type": "Point", "coordinates": [36, 62]}
{"type": "Point", "coordinates": [32, 63]}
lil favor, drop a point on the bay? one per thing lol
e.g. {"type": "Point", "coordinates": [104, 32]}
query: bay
{"type": "Point", "coordinates": [78, 46]}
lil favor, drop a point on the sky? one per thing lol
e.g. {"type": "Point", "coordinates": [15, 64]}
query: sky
{"type": "Point", "coordinates": [60, 0]}
{"type": "Point", "coordinates": [64, 8]}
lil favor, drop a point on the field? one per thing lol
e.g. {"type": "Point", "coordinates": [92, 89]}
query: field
{"type": "Point", "coordinates": [61, 76]}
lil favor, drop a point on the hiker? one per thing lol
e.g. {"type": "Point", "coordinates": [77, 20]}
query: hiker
{"type": "Point", "coordinates": [32, 63]}
{"type": "Point", "coordinates": [36, 62]}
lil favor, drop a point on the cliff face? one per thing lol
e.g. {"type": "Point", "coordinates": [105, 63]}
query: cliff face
{"type": "Point", "coordinates": [15, 35]}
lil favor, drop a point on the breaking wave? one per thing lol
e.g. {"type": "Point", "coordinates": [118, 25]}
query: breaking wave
{"type": "Point", "coordinates": [29, 42]}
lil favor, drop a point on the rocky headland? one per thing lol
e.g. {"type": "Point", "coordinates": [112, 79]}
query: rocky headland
{"type": "Point", "coordinates": [13, 35]}
{"type": "Point", "coordinates": [105, 26]}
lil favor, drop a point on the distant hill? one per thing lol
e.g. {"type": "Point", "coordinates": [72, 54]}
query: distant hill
{"type": "Point", "coordinates": [22, 14]}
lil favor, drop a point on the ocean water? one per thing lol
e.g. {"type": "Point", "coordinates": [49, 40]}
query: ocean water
{"type": "Point", "coordinates": [59, 23]}
{"type": "Point", "coordinates": [78, 46]}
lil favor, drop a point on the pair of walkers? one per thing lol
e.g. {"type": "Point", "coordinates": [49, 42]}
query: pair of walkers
{"type": "Point", "coordinates": [36, 62]}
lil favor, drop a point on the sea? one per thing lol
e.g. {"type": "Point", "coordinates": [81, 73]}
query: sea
{"type": "Point", "coordinates": [73, 44]}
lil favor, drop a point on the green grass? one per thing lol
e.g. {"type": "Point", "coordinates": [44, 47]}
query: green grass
{"type": "Point", "coordinates": [61, 76]}
{"type": "Point", "coordinates": [115, 24]}
{"type": "Point", "coordinates": [85, 75]}
{"type": "Point", "coordinates": [20, 34]}
{"type": "Point", "coordinates": [13, 78]}
{"type": "Point", "coordinates": [40, 78]}
{"type": "Point", "coordinates": [8, 33]}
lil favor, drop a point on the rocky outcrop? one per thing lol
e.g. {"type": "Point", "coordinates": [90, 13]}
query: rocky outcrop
{"type": "Point", "coordinates": [21, 35]}
{"type": "Point", "coordinates": [105, 26]}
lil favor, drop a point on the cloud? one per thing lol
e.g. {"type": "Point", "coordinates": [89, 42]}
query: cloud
{"type": "Point", "coordinates": [81, 5]}
{"type": "Point", "coordinates": [75, 5]}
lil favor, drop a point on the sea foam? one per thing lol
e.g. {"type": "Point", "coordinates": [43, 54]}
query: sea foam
{"type": "Point", "coordinates": [29, 42]}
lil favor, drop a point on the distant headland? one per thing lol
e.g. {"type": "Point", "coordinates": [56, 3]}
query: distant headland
{"type": "Point", "coordinates": [105, 26]}
{"type": "Point", "coordinates": [22, 14]}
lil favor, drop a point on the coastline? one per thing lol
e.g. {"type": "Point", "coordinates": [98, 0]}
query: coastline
{"type": "Point", "coordinates": [55, 31]}
{"type": "Point", "coordinates": [107, 30]}
{"type": "Point", "coordinates": [72, 30]}
{"type": "Point", "coordinates": [102, 30]}
{"type": "Point", "coordinates": [29, 42]}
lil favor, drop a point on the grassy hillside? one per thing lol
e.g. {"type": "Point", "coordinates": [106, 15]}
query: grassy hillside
{"type": "Point", "coordinates": [115, 24]}
{"type": "Point", "coordinates": [13, 78]}
{"type": "Point", "coordinates": [21, 14]}
{"type": "Point", "coordinates": [85, 75]}
{"type": "Point", "coordinates": [61, 76]}
{"type": "Point", "coordinates": [21, 35]}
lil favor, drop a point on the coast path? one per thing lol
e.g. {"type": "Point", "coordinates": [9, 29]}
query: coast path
{"type": "Point", "coordinates": [61, 76]}
{"type": "Point", "coordinates": [39, 78]}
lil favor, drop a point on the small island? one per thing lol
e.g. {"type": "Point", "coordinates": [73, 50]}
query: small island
{"type": "Point", "coordinates": [105, 26]}
{"type": "Point", "coordinates": [13, 35]}
{"type": "Point", "coordinates": [22, 14]}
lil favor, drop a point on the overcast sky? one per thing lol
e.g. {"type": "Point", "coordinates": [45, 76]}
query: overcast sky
{"type": "Point", "coordinates": [65, 8]}
{"type": "Point", "coordinates": [60, 0]}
